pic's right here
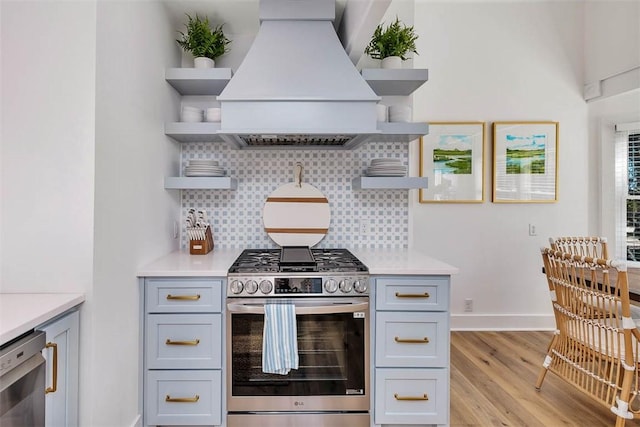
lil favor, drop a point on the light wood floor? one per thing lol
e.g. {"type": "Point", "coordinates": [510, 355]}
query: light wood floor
{"type": "Point", "coordinates": [493, 377]}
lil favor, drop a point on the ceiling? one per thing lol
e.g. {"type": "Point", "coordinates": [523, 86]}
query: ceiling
{"type": "Point", "coordinates": [238, 16]}
{"type": "Point", "coordinates": [355, 20]}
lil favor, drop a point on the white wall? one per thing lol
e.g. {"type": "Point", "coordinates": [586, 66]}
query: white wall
{"type": "Point", "coordinates": [612, 45]}
{"type": "Point", "coordinates": [133, 213]}
{"type": "Point", "coordinates": [612, 59]}
{"type": "Point", "coordinates": [48, 78]}
{"type": "Point", "coordinates": [83, 149]}
{"type": "Point", "coordinates": [498, 62]}
{"type": "Point", "coordinates": [604, 114]}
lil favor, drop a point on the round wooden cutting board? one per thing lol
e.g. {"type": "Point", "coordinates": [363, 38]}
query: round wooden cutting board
{"type": "Point", "coordinates": [296, 214]}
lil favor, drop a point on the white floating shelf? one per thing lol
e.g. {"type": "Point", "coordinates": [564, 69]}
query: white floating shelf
{"type": "Point", "coordinates": [402, 131]}
{"type": "Point", "coordinates": [193, 132]}
{"type": "Point", "coordinates": [200, 183]}
{"type": "Point", "coordinates": [198, 81]}
{"type": "Point", "coordinates": [388, 182]}
{"type": "Point", "coordinates": [208, 132]}
{"type": "Point", "coordinates": [400, 82]}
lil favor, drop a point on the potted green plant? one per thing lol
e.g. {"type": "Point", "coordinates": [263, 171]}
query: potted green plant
{"type": "Point", "coordinates": [392, 44]}
{"type": "Point", "coordinates": [204, 43]}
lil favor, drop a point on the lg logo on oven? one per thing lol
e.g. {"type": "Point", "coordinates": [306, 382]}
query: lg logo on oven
{"type": "Point", "coordinates": [298, 403]}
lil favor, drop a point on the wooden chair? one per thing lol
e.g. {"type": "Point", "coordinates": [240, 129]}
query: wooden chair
{"type": "Point", "coordinates": [595, 348]}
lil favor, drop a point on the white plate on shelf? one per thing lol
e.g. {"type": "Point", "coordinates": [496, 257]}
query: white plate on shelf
{"type": "Point", "coordinates": [385, 161]}
{"type": "Point", "coordinates": [203, 163]}
{"type": "Point", "coordinates": [216, 174]}
{"type": "Point", "coordinates": [389, 170]}
{"type": "Point", "coordinates": [204, 168]}
{"type": "Point", "coordinates": [386, 173]}
{"type": "Point", "coordinates": [388, 167]}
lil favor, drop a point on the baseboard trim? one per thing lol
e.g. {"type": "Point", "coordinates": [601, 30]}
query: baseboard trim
{"type": "Point", "coordinates": [137, 422]}
{"type": "Point", "coordinates": [502, 322]}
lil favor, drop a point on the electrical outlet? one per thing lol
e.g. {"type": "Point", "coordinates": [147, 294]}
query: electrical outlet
{"type": "Point", "coordinates": [468, 305]}
{"type": "Point", "coordinates": [176, 229]}
{"type": "Point", "coordinates": [365, 226]}
{"type": "Point", "coordinates": [532, 230]}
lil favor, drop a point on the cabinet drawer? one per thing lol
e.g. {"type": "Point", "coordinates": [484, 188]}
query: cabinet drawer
{"type": "Point", "coordinates": [412, 294]}
{"type": "Point", "coordinates": [411, 396]}
{"type": "Point", "coordinates": [183, 398]}
{"type": "Point", "coordinates": [183, 296]}
{"type": "Point", "coordinates": [412, 339]}
{"type": "Point", "coordinates": [184, 341]}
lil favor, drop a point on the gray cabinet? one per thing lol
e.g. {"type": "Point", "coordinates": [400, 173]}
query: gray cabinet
{"type": "Point", "coordinates": [182, 355]}
{"type": "Point", "coordinates": [411, 350]}
{"type": "Point", "coordinates": [61, 353]}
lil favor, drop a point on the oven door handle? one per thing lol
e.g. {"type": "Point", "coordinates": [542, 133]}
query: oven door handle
{"type": "Point", "coordinates": [302, 309]}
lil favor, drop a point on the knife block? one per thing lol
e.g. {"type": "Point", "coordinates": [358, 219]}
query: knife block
{"type": "Point", "coordinates": [202, 247]}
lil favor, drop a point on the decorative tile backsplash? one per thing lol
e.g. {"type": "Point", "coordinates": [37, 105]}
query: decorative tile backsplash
{"type": "Point", "coordinates": [236, 215]}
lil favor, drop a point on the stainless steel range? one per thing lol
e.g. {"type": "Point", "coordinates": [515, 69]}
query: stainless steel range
{"type": "Point", "coordinates": [297, 271]}
{"type": "Point", "coordinates": [330, 291]}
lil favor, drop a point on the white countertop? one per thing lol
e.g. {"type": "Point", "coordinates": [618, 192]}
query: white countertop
{"type": "Point", "coordinates": [218, 261]}
{"type": "Point", "coordinates": [20, 313]}
{"type": "Point", "coordinates": [181, 263]}
{"type": "Point", "coordinates": [401, 261]}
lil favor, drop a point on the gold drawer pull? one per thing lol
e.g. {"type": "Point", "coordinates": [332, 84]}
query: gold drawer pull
{"type": "Point", "coordinates": [424, 340]}
{"type": "Point", "coordinates": [193, 342]}
{"type": "Point", "coordinates": [423, 397]}
{"type": "Point", "coordinates": [54, 375]}
{"type": "Point", "coordinates": [424, 295]}
{"type": "Point", "coordinates": [182, 399]}
{"type": "Point", "coordinates": [184, 297]}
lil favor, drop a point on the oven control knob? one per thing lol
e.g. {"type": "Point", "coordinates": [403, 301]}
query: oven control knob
{"type": "Point", "coordinates": [360, 286]}
{"type": "Point", "coordinates": [331, 286]}
{"type": "Point", "coordinates": [266, 286]}
{"type": "Point", "coordinates": [346, 286]}
{"type": "Point", "coordinates": [236, 287]}
{"type": "Point", "coordinates": [251, 286]}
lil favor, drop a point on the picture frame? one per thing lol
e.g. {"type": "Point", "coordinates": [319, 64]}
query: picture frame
{"type": "Point", "coordinates": [452, 158]}
{"type": "Point", "coordinates": [525, 162]}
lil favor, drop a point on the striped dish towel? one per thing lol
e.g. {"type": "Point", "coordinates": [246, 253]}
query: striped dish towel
{"type": "Point", "coordinates": [279, 341]}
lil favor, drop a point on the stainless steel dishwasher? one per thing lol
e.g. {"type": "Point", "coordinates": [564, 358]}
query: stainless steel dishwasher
{"type": "Point", "coordinates": [22, 381]}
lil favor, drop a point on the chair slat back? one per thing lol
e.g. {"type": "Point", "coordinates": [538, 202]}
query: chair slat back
{"type": "Point", "coordinates": [594, 247]}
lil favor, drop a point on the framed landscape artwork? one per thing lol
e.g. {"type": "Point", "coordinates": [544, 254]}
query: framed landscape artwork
{"type": "Point", "coordinates": [525, 162]}
{"type": "Point", "coordinates": [452, 158]}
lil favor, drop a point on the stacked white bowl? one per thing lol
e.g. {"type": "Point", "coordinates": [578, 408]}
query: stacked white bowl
{"type": "Point", "coordinates": [399, 113]}
{"type": "Point", "coordinates": [386, 167]}
{"type": "Point", "coordinates": [201, 167]}
{"type": "Point", "coordinates": [191, 114]}
{"type": "Point", "coordinates": [213, 114]}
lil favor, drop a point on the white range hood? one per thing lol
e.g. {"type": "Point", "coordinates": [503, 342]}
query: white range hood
{"type": "Point", "coordinates": [296, 86]}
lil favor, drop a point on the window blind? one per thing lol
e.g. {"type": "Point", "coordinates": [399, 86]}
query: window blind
{"type": "Point", "coordinates": [628, 228]}
{"type": "Point", "coordinates": [633, 164]}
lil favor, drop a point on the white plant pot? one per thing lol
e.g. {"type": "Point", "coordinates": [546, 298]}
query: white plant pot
{"type": "Point", "coordinates": [203, 62]}
{"type": "Point", "coordinates": [391, 62]}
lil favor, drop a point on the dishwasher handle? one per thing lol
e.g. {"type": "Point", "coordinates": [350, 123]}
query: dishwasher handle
{"type": "Point", "coordinates": [54, 380]}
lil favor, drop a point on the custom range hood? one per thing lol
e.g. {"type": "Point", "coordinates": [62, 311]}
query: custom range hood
{"type": "Point", "coordinates": [297, 87]}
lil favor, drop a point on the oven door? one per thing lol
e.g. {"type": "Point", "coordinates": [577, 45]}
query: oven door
{"type": "Point", "coordinates": [333, 349]}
